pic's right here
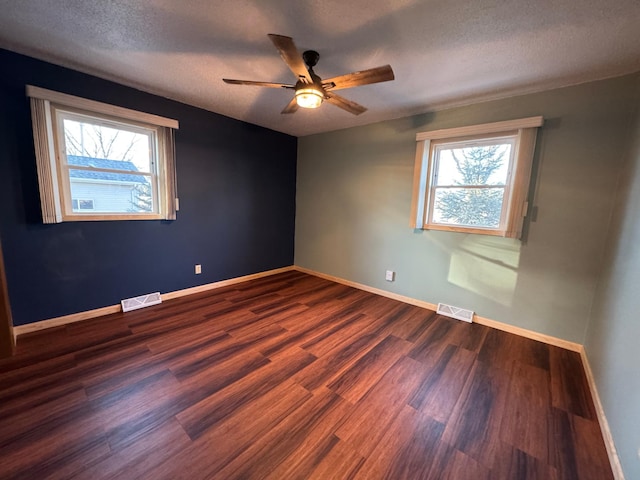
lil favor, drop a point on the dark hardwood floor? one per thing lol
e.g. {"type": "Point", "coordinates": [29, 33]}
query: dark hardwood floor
{"type": "Point", "coordinates": [293, 377]}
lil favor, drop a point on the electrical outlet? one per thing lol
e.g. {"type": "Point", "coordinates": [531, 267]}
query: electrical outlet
{"type": "Point", "coordinates": [390, 276]}
{"type": "Point", "coordinates": [198, 269]}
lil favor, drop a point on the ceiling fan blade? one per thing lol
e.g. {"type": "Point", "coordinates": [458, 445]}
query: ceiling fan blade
{"type": "Point", "coordinates": [365, 77]}
{"type": "Point", "coordinates": [292, 107]}
{"type": "Point", "coordinates": [291, 57]}
{"type": "Point", "coordinates": [257, 84]}
{"type": "Point", "coordinates": [343, 103]}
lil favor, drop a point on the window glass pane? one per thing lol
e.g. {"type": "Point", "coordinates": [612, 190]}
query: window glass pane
{"type": "Point", "coordinates": [477, 207]}
{"type": "Point", "coordinates": [85, 204]}
{"type": "Point", "coordinates": [473, 165]}
{"type": "Point", "coordinates": [91, 140]}
{"type": "Point", "coordinates": [110, 192]}
{"type": "Point", "coordinates": [81, 204]}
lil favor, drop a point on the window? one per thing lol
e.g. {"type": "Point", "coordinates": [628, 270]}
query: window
{"type": "Point", "coordinates": [101, 162]}
{"type": "Point", "coordinates": [81, 204]}
{"type": "Point", "coordinates": [474, 179]}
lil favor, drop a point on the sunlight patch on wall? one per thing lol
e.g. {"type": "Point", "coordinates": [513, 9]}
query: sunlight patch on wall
{"type": "Point", "coordinates": [487, 266]}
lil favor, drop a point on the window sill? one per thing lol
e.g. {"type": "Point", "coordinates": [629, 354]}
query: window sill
{"type": "Point", "coordinates": [477, 231]}
{"type": "Point", "coordinates": [82, 217]}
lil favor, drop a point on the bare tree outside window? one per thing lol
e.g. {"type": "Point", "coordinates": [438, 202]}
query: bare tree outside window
{"type": "Point", "coordinates": [90, 140]}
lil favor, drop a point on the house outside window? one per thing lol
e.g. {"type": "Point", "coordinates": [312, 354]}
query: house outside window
{"type": "Point", "coordinates": [108, 185]}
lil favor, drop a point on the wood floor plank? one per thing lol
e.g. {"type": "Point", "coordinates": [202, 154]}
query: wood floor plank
{"type": "Point", "coordinates": [330, 313]}
{"type": "Point", "coordinates": [189, 337]}
{"type": "Point", "coordinates": [60, 345]}
{"type": "Point", "coordinates": [474, 426]}
{"type": "Point", "coordinates": [293, 377]}
{"type": "Point", "coordinates": [412, 323]}
{"type": "Point", "coordinates": [450, 463]}
{"type": "Point", "coordinates": [20, 376]}
{"type": "Point", "coordinates": [412, 460]}
{"type": "Point", "coordinates": [300, 335]}
{"type": "Point", "coordinates": [340, 463]}
{"type": "Point", "coordinates": [469, 336]}
{"type": "Point", "coordinates": [439, 391]}
{"type": "Point", "coordinates": [60, 446]}
{"type": "Point", "coordinates": [303, 439]}
{"type": "Point", "coordinates": [345, 329]}
{"type": "Point", "coordinates": [429, 347]}
{"type": "Point", "coordinates": [135, 410]}
{"type": "Point", "coordinates": [367, 423]}
{"type": "Point", "coordinates": [354, 383]}
{"type": "Point", "coordinates": [504, 349]}
{"type": "Point", "coordinates": [304, 459]}
{"type": "Point", "coordinates": [268, 320]}
{"type": "Point", "coordinates": [514, 463]}
{"type": "Point", "coordinates": [321, 294]}
{"type": "Point", "coordinates": [206, 413]}
{"type": "Point", "coordinates": [31, 388]}
{"type": "Point", "coordinates": [334, 363]}
{"type": "Point", "coordinates": [406, 449]}
{"type": "Point", "coordinates": [175, 309]}
{"type": "Point", "coordinates": [574, 441]}
{"type": "Point", "coordinates": [527, 414]}
{"type": "Point", "coordinates": [112, 371]}
{"type": "Point", "coordinates": [44, 418]}
{"type": "Point", "coordinates": [141, 456]}
{"type": "Point", "coordinates": [569, 386]}
{"type": "Point", "coordinates": [225, 441]}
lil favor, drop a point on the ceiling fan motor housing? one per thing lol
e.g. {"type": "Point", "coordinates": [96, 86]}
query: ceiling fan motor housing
{"type": "Point", "coordinates": [311, 58]}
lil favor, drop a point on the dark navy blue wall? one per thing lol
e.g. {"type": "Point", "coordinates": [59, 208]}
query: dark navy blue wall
{"type": "Point", "coordinates": [236, 184]}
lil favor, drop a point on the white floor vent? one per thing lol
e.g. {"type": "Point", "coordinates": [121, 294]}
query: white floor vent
{"type": "Point", "coordinates": [135, 303]}
{"type": "Point", "coordinates": [455, 312]}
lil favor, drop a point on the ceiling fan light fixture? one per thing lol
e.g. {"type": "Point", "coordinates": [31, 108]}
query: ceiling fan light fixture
{"type": "Point", "coordinates": [309, 97]}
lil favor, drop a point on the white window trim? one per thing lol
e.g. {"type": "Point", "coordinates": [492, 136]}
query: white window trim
{"type": "Point", "coordinates": [516, 203]}
{"type": "Point", "coordinates": [43, 102]}
{"type": "Point", "coordinates": [99, 107]}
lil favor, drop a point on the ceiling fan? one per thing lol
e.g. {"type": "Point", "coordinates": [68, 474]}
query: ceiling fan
{"type": "Point", "coordinates": [310, 89]}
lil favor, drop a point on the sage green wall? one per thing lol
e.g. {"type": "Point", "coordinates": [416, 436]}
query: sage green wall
{"type": "Point", "coordinates": [613, 337]}
{"type": "Point", "coordinates": [354, 195]}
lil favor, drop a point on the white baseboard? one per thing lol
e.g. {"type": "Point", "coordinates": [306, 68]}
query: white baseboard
{"type": "Point", "coordinates": [64, 320]}
{"type": "Point", "coordinates": [523, 332]}
{"type": "Point", "coordinates": [77, 317]}
{"type": "Point", "coordinates": [98, 312]}
{"type": "Point", "coordinates": [614, 460]}
{"type": "Point", "coordinates": [224, 283]}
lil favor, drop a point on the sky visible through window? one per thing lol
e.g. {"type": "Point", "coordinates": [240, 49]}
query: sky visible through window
{"type": "Point", "coordinates": [448, 173]}
{"type": "Point", "coordinates": [99, 141]}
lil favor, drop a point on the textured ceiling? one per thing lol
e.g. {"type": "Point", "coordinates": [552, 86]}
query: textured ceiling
{"type": "Point", "coordinates": [443, 52]}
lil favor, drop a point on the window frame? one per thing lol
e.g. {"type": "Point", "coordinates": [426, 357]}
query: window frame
{"type": "Point", "coordinates": [49, 107]}
{"type": "Point", "coordinates": [515, 205]}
